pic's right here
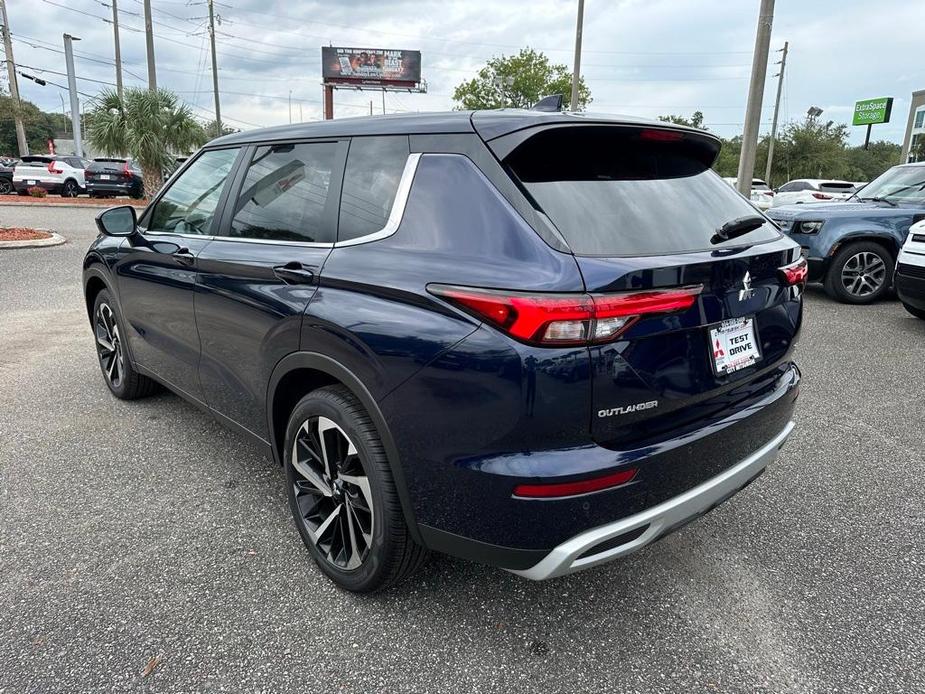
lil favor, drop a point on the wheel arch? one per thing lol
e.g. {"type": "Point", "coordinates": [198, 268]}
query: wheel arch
{"type": "Point", "coordinates": [298, 374]}
{"type": "Point", "coordinates": [880, 238]}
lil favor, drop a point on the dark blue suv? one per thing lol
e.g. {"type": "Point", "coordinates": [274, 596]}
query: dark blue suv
{"type": "Point", "coordinates": [534, 340]}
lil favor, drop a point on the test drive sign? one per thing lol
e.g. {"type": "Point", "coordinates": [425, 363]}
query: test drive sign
{"type": "Point", "coordinates": [370, 66]}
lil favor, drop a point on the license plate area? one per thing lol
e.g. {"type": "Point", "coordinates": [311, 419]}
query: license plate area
{"type": "Point", "coordinates": [734, 345]}
{"type": "Point", "coordinates": [105, 177]}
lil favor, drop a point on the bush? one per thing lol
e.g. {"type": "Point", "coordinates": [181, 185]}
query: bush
{"type": "Point", "coordinates": [37, 192]}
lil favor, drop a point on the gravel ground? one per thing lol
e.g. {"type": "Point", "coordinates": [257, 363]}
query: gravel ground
{"type": "Point", "coordinates": [135, 530]}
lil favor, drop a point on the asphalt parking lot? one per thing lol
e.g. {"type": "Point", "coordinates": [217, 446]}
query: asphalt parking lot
{"type": "Point", "coordinates": [143, 529]}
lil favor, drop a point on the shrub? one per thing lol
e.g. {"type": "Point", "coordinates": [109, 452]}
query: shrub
{"type": "Point", "coordinates": [37, 192]}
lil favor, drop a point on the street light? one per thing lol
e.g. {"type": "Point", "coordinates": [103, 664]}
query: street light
{"type": "Point", "coordinates": [813, 112]}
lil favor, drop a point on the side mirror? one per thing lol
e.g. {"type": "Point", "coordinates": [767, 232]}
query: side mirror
{"type": "Point", "coordinates": [117, 221]}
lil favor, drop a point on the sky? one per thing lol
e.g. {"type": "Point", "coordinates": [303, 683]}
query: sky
{"type": "Point", "coordinates": [640, 57]}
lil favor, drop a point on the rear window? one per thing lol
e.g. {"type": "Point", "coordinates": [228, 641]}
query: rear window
{"type": "Point", "coordinates": [36, 161]}
{"type": "Point", "coordinates": [834, 187]}
{"type": "Point", "coordinates": [107, 165]}
{"type": "Point", "coordinates": [630, 191]}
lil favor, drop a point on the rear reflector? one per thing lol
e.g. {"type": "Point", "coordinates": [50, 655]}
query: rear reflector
{"type": "Point", "coordinates": [559, 489]}
{"type": "Point", "coordinates": [795, 273]}
{"type": "Point", "coordinates": [565, 319]}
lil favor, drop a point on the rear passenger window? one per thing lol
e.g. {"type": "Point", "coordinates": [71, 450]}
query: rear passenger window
{"type": "Point", "coordinates": [374, 169]}
{"type": "Point", "coordinates": [285, 194]}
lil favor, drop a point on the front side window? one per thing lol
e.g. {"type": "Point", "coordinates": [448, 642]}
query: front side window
{"type": "Point", "coordinates": [374, 169]}
{"type": "Point", "coordinates": [188, 206]}
{"type": "Point", "coordinates": [285, 194]}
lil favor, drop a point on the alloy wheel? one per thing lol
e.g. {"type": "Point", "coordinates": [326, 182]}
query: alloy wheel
{"type": "Point", "coordinates": [332, 492]}
{"type": "Point", "coordinates": [109, 345]}
{"type": "Point", "coordinates": [70, 189]}
{"type": "Point", "coordinates": [5, 187]}
{"type": "Point", "coordinates": [863, 273]}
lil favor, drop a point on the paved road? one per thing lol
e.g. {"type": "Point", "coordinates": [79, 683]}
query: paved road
{"type": "Point", "coordinates": [130, 530]}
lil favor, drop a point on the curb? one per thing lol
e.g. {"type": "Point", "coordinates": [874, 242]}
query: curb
{"type": "Point", "coordinates": [55, 240]}
{"type": "Point", "coordinates": [64, 205]}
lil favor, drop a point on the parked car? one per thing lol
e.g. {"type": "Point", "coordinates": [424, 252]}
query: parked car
{"type": "Point", "coordinates": [6, 178]}
{"type": "Point", "coordinates": [54, 173]}
{"type": "Point", "coordinates": [813, 190]}
{"type": "Point", "coordinates": [852, 246]}
{"type": "Point", "coordinates": [761, 193]}
{"type": "Point", "coordinates": [910, 271]}
{"type": "Point", "coordinates": [477, 333]}
{"type": "Point", "coordinates": [107, 177]}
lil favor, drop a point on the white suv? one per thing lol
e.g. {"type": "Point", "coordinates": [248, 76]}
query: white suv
{"type": "Point", "coordinates": [761, 193]}
{"type": "Point", "coordinates": [53, 172]}
{"type": "Point", "coordinates": [910, 271]}
{"type": "Point", "coordinates": [809, 190]}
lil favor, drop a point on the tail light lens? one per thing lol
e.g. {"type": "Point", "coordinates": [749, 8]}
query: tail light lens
{"type": "Point", "coordinates": [795, 273]}
{"type": "Point", "coordinates": [822, 196]}
{"type": "Point", "coordinates": [53, 170]}
{"type": "Point", "coordinates": [126, 171]}
{"type": "Point", "coordinates": [565, 319]}
{"type": "Point", "coordinates": [560, 489]}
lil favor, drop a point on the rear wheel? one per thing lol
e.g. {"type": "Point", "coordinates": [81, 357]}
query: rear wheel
{"type": "Point", "coordinates": [70, 189]}
{"type": "Point", "coordinates": [342, 495]}
{"type": "Point", "coordinates": [6, 187]}
{"type": "Point", "coordinates": [118, 371]}
{"type": "Point", "coordinates": [859, 273]}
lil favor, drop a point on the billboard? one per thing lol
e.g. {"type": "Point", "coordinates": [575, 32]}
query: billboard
{"type": "Point", "coordinates": [873, 111]}
{"type": "Point", "coordinates": [377, 67]}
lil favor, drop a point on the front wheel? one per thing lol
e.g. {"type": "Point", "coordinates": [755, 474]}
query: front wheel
{"type": "Point", "coordinates": [118, 371]}
{"type": "Point", "coordinates": [859, 273]}
{"type": "Point", "coordinates": [342, 494]}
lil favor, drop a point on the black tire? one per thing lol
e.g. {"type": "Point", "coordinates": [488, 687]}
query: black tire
{"type": "Point", "coordinates": [136, 193]}
{"type": "Point", "coordinates": [860, 273]}
{"type": "Point", "coordinates": [917, 312]}
{"type": "Point", "coordinates": [6, 187]}
{"type": "Point", "coordinates": [126, 384]}
{"type": "Point", "coordinates": [23, 192]}
{"type": "Point", "coordinates": [390, 555]}
{"type": "Point", "coordinates": [70, 189]}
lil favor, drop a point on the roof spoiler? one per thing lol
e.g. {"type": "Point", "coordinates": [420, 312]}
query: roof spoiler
{"type": "Point", "coordinates": [550, 103]}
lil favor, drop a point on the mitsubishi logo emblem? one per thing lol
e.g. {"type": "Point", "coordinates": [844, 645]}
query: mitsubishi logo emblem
{"type": "Point", "coordinates": [746, 290]}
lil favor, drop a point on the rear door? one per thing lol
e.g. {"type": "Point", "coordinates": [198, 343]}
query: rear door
{"type": "Point", "coordinates": [641, 210]}
{"type": "Point", "coordinates": [258, 275]}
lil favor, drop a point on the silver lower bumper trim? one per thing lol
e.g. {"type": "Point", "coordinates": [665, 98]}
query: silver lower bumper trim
{"type": "Point", "coordinates": [567, 557]}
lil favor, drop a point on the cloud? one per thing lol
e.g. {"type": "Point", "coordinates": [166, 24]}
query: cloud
{"type": "Point", "coordinates": [642, 57]}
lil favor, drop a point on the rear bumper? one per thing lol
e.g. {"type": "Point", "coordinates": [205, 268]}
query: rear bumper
{"type": "Point", "coordinates": [626, 535]}
{"type": "Point", "coordinates": [111, 187]}
{"type": "Point", "coordinates": [51, 187]}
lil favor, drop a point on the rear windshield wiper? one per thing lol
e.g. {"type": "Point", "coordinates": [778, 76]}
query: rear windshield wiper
{"type": "Point", "coordinates": [879, 199]}
{"type": "Point", "coordinates": [737, 227]}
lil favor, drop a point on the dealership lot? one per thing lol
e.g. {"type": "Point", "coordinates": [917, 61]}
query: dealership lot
{"type": "Point", "coordinates": [135, 530]}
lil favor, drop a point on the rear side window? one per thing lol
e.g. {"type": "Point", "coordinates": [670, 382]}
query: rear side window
{"type": "Point", "coordinates": [630, 191]}
{"type": "Point", "coordinates": [794, 187]}
{"type": "Point", "coordinates": [374, 169]}
{"type": "Point", "coordinates": [285, 194]}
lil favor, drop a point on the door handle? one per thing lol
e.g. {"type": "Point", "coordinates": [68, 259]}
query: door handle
{"type": "Point", "coordinates": [184, 256]}
{"type": "Point", "coordinates": [294, 273]}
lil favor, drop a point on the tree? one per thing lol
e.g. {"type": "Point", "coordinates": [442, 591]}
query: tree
{"type": "Point", "coordinates": [519, 81]}
{"type": "Point", "coordinates": [695, 121]}
{"type": "Point", "coordinates": [149, 126]}
{"type": "Point", "coordinates": [211, 130]}
{"type": "Point", "coordinates": [40, 126]}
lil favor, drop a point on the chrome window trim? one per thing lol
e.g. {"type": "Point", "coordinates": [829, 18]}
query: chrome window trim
{"type": "Point", "coordinates": [398, 206]}
{"type": "Point", "coordinates": [391, 225]}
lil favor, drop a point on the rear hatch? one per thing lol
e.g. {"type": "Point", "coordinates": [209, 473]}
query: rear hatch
{"type": "Point", "coordinates": [641, 209]}
{"type": "Point", "coordinates": [834, 190]}
{"type": "Point", "coordinates": [108, 171]}
{"type": "Point", "coordinates": [34, 168]}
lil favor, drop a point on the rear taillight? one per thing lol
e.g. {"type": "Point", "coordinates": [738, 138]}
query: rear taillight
{"type": "Point", "coordinates": [822, 196]}
{"type": "Point", "coordinates": [53, 170]}
{"type": "Point", "coordinates": [126, 171]}
{"type": "Point", "coordinates": [795, 273]}
{"type": "Point", "coordinates": [560, 489]}
{"type": "Point", "coordinates": [565, 319]}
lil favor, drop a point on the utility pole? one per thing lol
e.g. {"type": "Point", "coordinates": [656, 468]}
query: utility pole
{"type": "Point", "coordinates": [63, 111]}
{"type": "Point", "coordinates": [780, 85]}
{"type": "Point", "coordinates": [149, 44]}
{"type": "Point", "coordinates": [218, 108]}
{"type": "Point", "coordinates": [290, 107]}
{"type": "Point", "coordinates": [383, 102]}
{"type": "Point", "coordinates": [755, 94]}
{"type": "Point", "coordinates": [576, 69]}
{"type": "Point", "coordinates": [72, 88]}
{"type": "Point", "coordinates": [14, 87]}
{"type": "Point", "coordinates": [115, 32]}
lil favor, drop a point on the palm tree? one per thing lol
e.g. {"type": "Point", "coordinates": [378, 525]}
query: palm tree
{"type": "Point", "coordinates": [149, 126]}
